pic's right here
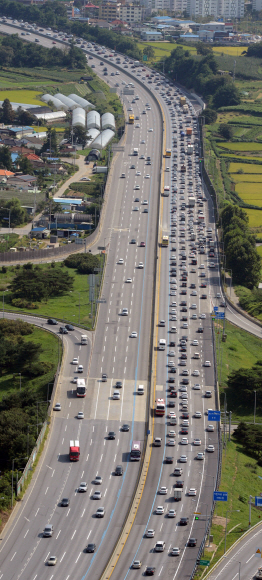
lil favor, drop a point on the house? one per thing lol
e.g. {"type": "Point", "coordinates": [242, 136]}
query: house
{"type": "Point", "coordinates": [32, 143]}
{"type": "Point", "coordinates": [19, 132]}
{"type": "Point", "coordinates": [4, 174]}
{"type": "Point", "coordinates": [151, 35]}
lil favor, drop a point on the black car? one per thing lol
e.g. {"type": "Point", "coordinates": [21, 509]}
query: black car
{"type": "Point", "coordinates": [133, 241]}
{"type": "Point", "coordinates": [171, 381]}
{"type": "Point", "coordinates": [63, 330]}
{"type": "Point", "coordinates": [172, 403]}
{"type": "Point", "coordinates": [52, 321]}
{"type": "Point", "coordinates": [204, 296]}
{"type": "Point", "coordinates": [169, 459]}
{"type": "Point", "coordinates": [119, 470]}
{"type": "Point", "coordinates": [179, 484]}
{"type": "Point", "coordinates": [125, 428]}
{"type": "Point", "coordinates": [192, 542]}
{"type": "Point", "coordinates": [65, 502]}
{"type": "Point", "coordinates": [150, 571]}
{"type": "Point", "coordinates": [69, 327]}
{"type": "Point", "coordinates": [184, 521]}
{"type": "Point", "coordinates": [172, 343]}
{"type": "Point", "coordinates": [172, 370]}
{"type": "Point", "coordinates": [173, 394]}
{"type": "Point", "coordinates": [111, 435]}
{"type": "Point", "coordinates": [119, 384]}
{"type": "Point", "coordinates": [91, 548]}
{"type": "Point", "coordinates": [183, 303]}
{"type": "Point", "coordinates": [185, 415]}
{"type": "Point", "coordinates": [184, 430]}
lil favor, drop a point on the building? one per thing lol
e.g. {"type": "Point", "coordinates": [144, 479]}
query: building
{"type": "Point", "coordinates": [32, 142]}
{"type": "Point", "coordinates": [226, 8]}
{"type": "Point", "coordinates": [151, 35]}
{"type": "Point", "coordinates": [190, 37]}
{"type": "Point", "coordinates": [109, 11]}
{"type": "Point", "coordinates": [19, 132]}
{"type": "Point", "coordinates": [131, 13]}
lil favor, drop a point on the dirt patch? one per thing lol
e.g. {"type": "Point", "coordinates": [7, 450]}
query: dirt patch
{"type": "Point", "coordinates": [219, 521]}
{"type": "Point", "coordinates": [210, 548]}
{"type": "Point", "coordinates": [4, 519]}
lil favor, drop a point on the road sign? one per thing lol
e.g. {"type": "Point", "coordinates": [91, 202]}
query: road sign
{"type": "Point", "coordinates": [213, 415]}
{"type": "Point", "coordinates": [197, 513]}
{"type": "Point", "coordinates": [215, 308]}
{"type": "Point", "coordinates": [204, 562]}
{"type": "Point", "coordinates": [258, 501]}
{"type": "Point", "coordinates": [258, 553]}
{"type": "Point", "coordinates": [145, 57]}
{"type": "Point", "coordinates": [220, 496]}
{"type": "Point", "coordinates": [220, 315]}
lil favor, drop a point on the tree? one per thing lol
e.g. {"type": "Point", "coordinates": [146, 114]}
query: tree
{"type": "Point", "coordinates": [51, 139]}
{"type": "Point", "coordinates": [149, 51]}
{"type": "Point", "coordinates": [5, 158]}
{"type": "Point", "coordinates": [18, 215]}
{"type": "Point", "coordinates": [79, 134]}
{"type": "Point", "coordinates": [226, 131]}
{"type": "Point", "coordinates": [226, 96]}
{"type": "Point", "coordinates": [25, 165]}
{"type": "Point", "coordinates": [24, 117]}
{"type": "Point", "coordinates": [210, 115]}
{"type": "Point", "coordinates": [84, 263]}
{"type": "Point", "coordinates": [203, 49]}
{"type": "Point", "coordinates": [37, 285]}
{"type": "Point", "coordinates": [8, 114]}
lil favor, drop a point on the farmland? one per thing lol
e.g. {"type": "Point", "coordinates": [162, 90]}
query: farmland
{"type": "Point", "coordinates": [255, 218]}
{"type": "Point", "coordinates": [245, 168]}
{"type": "Point", "coordinates": [241, 146]}
{"type": "Point", "coordinates": [250, 192]}
{"type": "Point", "coordinates": [23, 96]}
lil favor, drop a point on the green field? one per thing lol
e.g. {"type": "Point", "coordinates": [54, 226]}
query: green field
{"type": "Point", "coordinates": [250, 192]}
{"type": "Point", "coordinates": [10, 383]}
{"type": "Point", "coordinates": [23, 96]}
{"type": "Point", "coordinates": [73, 307]}
{"type": "Point", "coordinates": [248, 178]}
{"type": "Point", "coordinates": [241, 146]}
{"type": "Point", "coordinates": [163, 49]}
{"type": "Point", "coordinates": [255, 217]}
{"type": "Point", "coordinates": [231, 50]}
{"type": "Point", "coordinates": [245, 167]}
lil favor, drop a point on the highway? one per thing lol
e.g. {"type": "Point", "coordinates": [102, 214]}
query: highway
{"type": "Point", "coordinates": [129, 231]}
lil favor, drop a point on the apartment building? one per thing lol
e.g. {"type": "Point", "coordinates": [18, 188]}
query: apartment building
{"type": "Point", "coordinates": [226, 8]}
{"type": "Point", "coordinates": [130, 13]}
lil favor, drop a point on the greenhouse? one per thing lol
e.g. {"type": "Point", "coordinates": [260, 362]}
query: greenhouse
{"type": "Point", "coordinates": [108, 121]}
{"type": "Point", "coordinates": [103, 139]}
{"type": "Point", "coordinates": [79, 117]}
{"type": "Point", "coordinates": [93, 120]}
{"type": "Point", "coordinates": [80, 101]}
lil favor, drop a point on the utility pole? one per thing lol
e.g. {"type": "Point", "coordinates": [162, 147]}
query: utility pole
{"type": "Point", "coordinates": [234, 70]}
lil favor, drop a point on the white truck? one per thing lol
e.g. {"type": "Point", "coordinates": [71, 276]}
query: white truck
{"type": "Point", "coordinates": [191, 201]}
{"type": "Point", "coordinates": [162, 344]}
{"type": "Point", "coordinates": [177, 494]}
{"type": "Point", "coordinates": [83, 338]}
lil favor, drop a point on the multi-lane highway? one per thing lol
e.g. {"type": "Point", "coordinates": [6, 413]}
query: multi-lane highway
{"type": "Point", "coordinates": [186, 289]}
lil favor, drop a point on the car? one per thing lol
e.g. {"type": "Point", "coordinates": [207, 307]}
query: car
{"type": "Point", "coordinates": [140, 265]}
{"type": "Point", "coordinates": [98, 480]}
{"type": "Point", "coordinates": [198, 414]}
{"type": "Point", "coordinates": [195, 343]}
{"type": "Point", "coordinates": [137, 564]}
{"type": "Point", "coordinates": [111, 435]}
{"type": "Point", "coordinates": [80, 369]}
{"type": "Point", "coordinates": [175, 552]}
{"type": "Point", "coordinates": [196, 387]}
{"type": "Point", "coordinates": [97, 495]}
{"type": "Point", "coordinates": [65, 502]}
{"type": "Point", "coordinates": [197, 441]}
{"type": "Point", "coordinates": [57, 407]}
{"type": "Point", "coordinates": [116, 396]}
{"type": "Point", "coordinates": [69, 327]}
{"type": "Point", "coordinates": [150, 130]}
{"type": "Point", "coordinates": [183, 459]}
{"type": "Point", "coordinates": [82, 487]}
{"type": "Point", "coordinates": [133, 335]}
{"type": "Point", "coordinates": [207, 363]}
{"type": "Point", "coordinates": [171, 433]}
{"type": "Point", "coordinates": [104, 377]}
{"type": "Point", "coordinates": [196, 373]}
{"type": "Point", "coordinates": [184, 441]}
{"type": "Point", "coordinates": [129, 281]}
{"type": "Point", "coordinates": [160, 510]}
{"type": "Point", "coordinates": [80, 415]}
{"type": "Point", "coordinates": [162, 322]}
{"type": "Point", "coordinates": [169, 459]}
{"type": "Point", "coordinates": [210, 428]}
{"type": "Point", "coordinates": [200, 456]}
{"type": "Point", "coordinates": [142, 245]}
{"type": "Point", "coordinates": [119, 470]}
{"type": "Point", "coordinates": [163, 490]}
{"type": "Point", "coordinates": [136, 208]}
{"type": "Point", "coordinates": [150, 533]}
{"type": "Point", "coordinates": [124, 312]}
{"type": "Point", "coordinates": [138, 173]}
{"type": "Point", "coordinates": [100, 512]}
{"type": "Point", "coordinates": [159, 546]}
{"type": "Point", "coordinates": [171, 513]}
{"type": "Point", "coordinates": [178, 471]}
{"type": "Point", "coordinates": [150, 570]}
{"type": "Point", "coordinates": [183, 521]}
{"type": "Point", "coordinates": [210, 448]}
{"type": "Point", "coordinates": [52, 561]}
{"type": "Point", "coordinates": [192, 542]}
{"type": "Point", "coordinates": [208, 394]}
{"type": "Point", "coordinates": [185, 423]}
{"type": "Point", "coordinates": [91, 548]}
{"type": "Point", "coordinates": [85, 179]}
{"type": "Point", "coordinates": [52, 321]}
{"type": "Point", "coordinates": [125, 428]}
{"type": "Point", "coordinates": [137, 187]}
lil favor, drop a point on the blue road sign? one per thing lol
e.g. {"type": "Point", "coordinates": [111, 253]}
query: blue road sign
{"type": "Point", "coordinates": [220, 315]}
{"type": "Point", "coordinates": [220, 496]}
{"type": "Point", "coordinates": [213, 415]}
{"type": "Point", "coordinates": [215, 308]}
{"type": "Point", "coordinates": [258, 501]}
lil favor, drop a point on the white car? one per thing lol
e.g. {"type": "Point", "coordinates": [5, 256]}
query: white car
{"type": "Point", "coordinates": [197, 441]}
{"type": "Point", "coordinates": [171, 442]}
{"type": "Point", "coordinates": [196, 387]}
{"type": "Point", "coordinates": [212, 265]}
{"type": "Point", "coordinates": [184, 441]}
{"type": "Point", "coordinates": [57, 407]}
{"type": "Point", "coordinates": [194, 293]}
{"type": "Point", "coordinates": [147, 176]}
{"type": "Point", "coordinates": [145, 202]}
{"type": "Point", "coordinates": [185, 423]}
{"type": "Point", "coordinates": [202, 266]}
{"type": "Point", "coordinates": [124, 312]}
{"type": "Point", "coordinates": [198, 414]}
{"type": "Point", "coordinates": [82, 487]}
{"type": "Point", "coordinates": [133, 335]}
{"type": "Point", "coordinates": [129, 281]}
{"type": "Point", "coordinates": [195, 343]}
{"type": "Point", "coordinates": [80, 415]}
{"type": "Point", "coordinates": [160, 510]}
{"type": "Point", "coordinates": [192, 491]}
{"type": "Point", "coordinates": [171, 433]}
{"type": "Point", "coordinates": [98, 480]}
{"type": "Point", "coordinates": [140, 265]}
{"type": "Point", "coordinates": [196, 373]}
{"type": "Point", "coordinates": [143, 142]}
{"type": "Point", "coordinates": [183, 459]}
{"type": "Point", "coordinates": [85, 179]}
{"type": "Point", "coordinates": [120, 261]}
{"type": "Point", "coordinates": [97, 495]}
{"type": "Point", "coordinates": [171, 513]}
{"type": "Point", "coordinates": [184, 325]}
{"type": "Point", "coordinates": [80, 369]}
{"type": "Point", "coordinates": [207, 363]}
{"type": "Point", "coordinates": [163, 490]}
{"type": "Point", "coordinates": [149, 130]}
{"type": "Point", "coordinates": [175, 552]}
{"type": "Point", "coordinates": [210, 448]}
{"type": "Point", "coordinates": [137, 187]}
{"type": "Point", "coordinates": [137, 564]}
{"type": "Point", "coordinates": [75, 360]}
{"type": "Point", "coordinates": [138, 173]}
{"type": "Point", "coordinates": [150, 533]}
{"type": "Point", "coordinates": [210, 428]}
{"type": "Point", "coordinates": [202, 316]}
{"type": "Point", "coordinates": [116, 395]}
{"type": "Point", "coordinates": [200, 456]}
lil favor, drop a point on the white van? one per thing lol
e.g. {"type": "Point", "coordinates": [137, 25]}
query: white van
{"type": "Point", "coordinates": [140, 390]}
{"type": "Point", "coordinates": [162, 344]}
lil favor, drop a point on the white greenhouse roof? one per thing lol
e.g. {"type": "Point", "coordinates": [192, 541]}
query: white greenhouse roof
{"type": "Point", "coordinates": [108, 121]}
{"type": "Point", "coordinates": [80, 101]}
{"type": "Point", "coordinates": [91, 135]}
{"type": "Point", "coordinates": [79, 117]}
{"type": "Point", "coordinates": [103, 139]}
{"type": "Point", "coordinates": [51, 116]}
{"type": "Point", "coordinates": [68, 102]}
{"type": "Point", "coordinates": [56, 102]}
{"type": "Point", "coordinates": [93, 120]}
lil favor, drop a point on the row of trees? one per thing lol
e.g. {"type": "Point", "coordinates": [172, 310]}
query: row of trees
{"type": "Point", "coordinates": [240, 247]}
{"type": "Point", "coordinates": [83, 263]}
{"type": "Point", "coordinates": [14, 52]}
{"type": "Point", "coordinates": [32, 283]}
{"type": "Point", "coordinates": [250, 436]}
{"type": "Point", "coordinates": [202, 75]}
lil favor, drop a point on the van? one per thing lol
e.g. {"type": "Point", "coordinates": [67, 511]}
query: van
{"type": "Point", "coordinates": [157, 442]}
{"type": "Point", "coordinates": [140, 390]}
{"type": "Point", "coordinates": [162, 344]}
{"type": "Point", "coordinates": [48, 531]}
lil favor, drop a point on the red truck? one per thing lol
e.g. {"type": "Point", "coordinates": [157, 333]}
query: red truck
{"type": "Point", "coordinates": [74, 451]}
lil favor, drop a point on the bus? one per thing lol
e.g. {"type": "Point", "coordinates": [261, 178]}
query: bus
{"type": "Point", "coordinates": [168, 153]}
{"type": "Point", "coordinates": [164, 241]}
{"type": "Point", "coordinates": [81, 388]}
{"type": "Point", "coordinates": [160, 407]}
{"type": "Point", "coordinates": [135, 454]}
{"type": "Point", "coordinates": [131, 119]}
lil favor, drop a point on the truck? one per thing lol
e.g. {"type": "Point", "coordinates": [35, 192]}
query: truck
{"type": "Point", "coordinates": [190, 149]}
{"type": "Point", "coordinates": [135, 152]}
{"type": "Point", "coordinates": [74, 450]}
{"type": "Point", "coordinates": [191, 201]}
{"type": "Point", "coordinates": [81, 388]}
{"type": "Point", "coordinates": [162, 344]}
{"type": "Point", "coordinates": [188, 119]}
{"type": "Point", "coordinates": [189, 131]}
{"type": "Point", "coordinates": [83, 338]}
{"type": "Point", "coordinates": [99, 169]}
{"type": "Point", "coordinates": [185, 109]}
{"type": "Point", "coordinates": [177, 494]}
{"type": "Point", "coordinates": [131, 119]}
{"type": "Point", "coordinates": [182, 101]}
{"type": "Point", "coordinates": [160, 407]}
